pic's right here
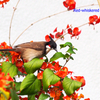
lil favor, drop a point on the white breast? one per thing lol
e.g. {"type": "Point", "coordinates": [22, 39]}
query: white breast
{"type": "Point", "coordinates": [29, 54]}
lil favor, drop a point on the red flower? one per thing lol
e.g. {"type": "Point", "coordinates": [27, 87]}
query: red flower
{"type": "Point", "coordinates": [70, 4]}
{"type": "Point", "coordinates": [98, 21]}
{"type": "Point", "coordinates": [59, 84]}
{"type": "Point", "coordinates": [44, 65]}
{"type": "Point", "coordinates": [21, 69]}
{"type": "Point", "coordinates": [52, 36]}
{"type": "Point", "coordinates": [47, 38]}
{"type": "Point", "coordinates": [50, 66]}
{"type": "Point", "coordinates": [75, 32]}
{"type": "Point", "coordinates": [3, 1]}
{"type": "Point", "coordinates": [63, 72]}
{"type": "Point", "coordinates": [19, 63]}
{"type": "Point", "coordinates": [70, 72]}
{"type": "Point", "coordinates": [40, 75]}
{"type": "Point", "coordinates": [7, 60]}
{"type": "Point", "coordinates": [25, 98]}
{"type": "Point", "coordinates": [4, 80]}
{"type": "Point", "coordinates": [14, 58]}
{"type": "Point", "coordinates": [81, 96]}
{"type": "Point", "coordinates": [4, 45]}
{"type": "Point", "coordinates": [67, 26]}
{"type": "Point", "coordinates": [57, 67]}
{"type": "Point", "coordinates": [55, 30]}
{"type": "Point", "coordinates": [53, 66]}
{"type": "Point", "coordinates": [87, 99]}
{"type": "Point", "coordinates": [80, 79]}
{"type": "Point", "coordinates": [70, 31]}
{"type": "Point", "coordinates": [94, 19]}
{"type": "Point", "coordinates": [65, 3]}
{"type": "Point", "coordinates": [67, 97]}
{"type": "Point", "coordinates": [55, 93]}
{"type": "Point", "coordinates": [59, 34]}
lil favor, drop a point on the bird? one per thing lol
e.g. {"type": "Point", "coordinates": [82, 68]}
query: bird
{"type": "Point", "coordinates": [30, 50]}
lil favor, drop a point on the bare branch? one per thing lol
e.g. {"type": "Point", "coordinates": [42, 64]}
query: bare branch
{"type": "Point", "coordinates": [48, 17]}
{"type": "Point", "coordinates": [11, 21]}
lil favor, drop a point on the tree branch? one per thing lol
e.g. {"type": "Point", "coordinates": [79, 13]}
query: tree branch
{"type": "Point", "coordinates": [11, 21]}
{"type": "Point", "coordinates": [46, 18]}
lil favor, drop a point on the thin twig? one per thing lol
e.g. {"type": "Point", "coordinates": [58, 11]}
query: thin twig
{"type": "Point", "coordinates": [37, 22]}
{"type": "Point", "coordinates": [87, 6]}
{"type": "Point", "coordinates": [11, 21]}
{"type": "Point", "coordinates": [83, 24]}
{"type": "Point", "coordinates": [67, 59]}
{"type": "Point", "coordinates": [64, 35]}
{"type": "Point", "coordinates": [46, 18]}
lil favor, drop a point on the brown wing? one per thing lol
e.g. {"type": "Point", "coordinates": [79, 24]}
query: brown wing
{"type": "Point", "coordinates": [32, 45]}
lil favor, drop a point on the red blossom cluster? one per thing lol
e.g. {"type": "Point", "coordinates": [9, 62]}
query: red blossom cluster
{"type": "Point", "coordinates": [55, 90]}
{"type": "Point", "coordinates": [55, 93]}
{"type": "Point", "coordinates": [59, 71]}
{"type": "Point", "coordinates": [5, 85]}
{"type": "Point", "coordinates": [2, 2]}
{"type": "Point", "coordinates": [15, 57]}
{"type": "Point", "coordinates": [94, 19]}
{"type": "Point", "coordinates": [4, 45]}
{"type": "Point", "coordinates": [70, 4]}
{"type": "Point", "coordinates": [57, 35]}
{"type": "Point", "coordinates": [80, 79]}
{"type": "Point", "coordinates": [4, 80]}
{"type": "Point", "coordinates": [73, 32]}
{"type": "Point", "coordinates": [75, 96]}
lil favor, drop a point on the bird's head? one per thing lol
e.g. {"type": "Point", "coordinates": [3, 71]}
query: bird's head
{"type": "Point", "coordinates": [52, 44]}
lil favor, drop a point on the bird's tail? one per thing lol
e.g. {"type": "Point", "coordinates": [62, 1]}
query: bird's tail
{"type": "Point", "coordinates": [7, 49]}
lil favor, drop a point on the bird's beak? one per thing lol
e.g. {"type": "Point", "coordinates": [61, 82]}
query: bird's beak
{"type": "Point", "coordinates": [56, 50]}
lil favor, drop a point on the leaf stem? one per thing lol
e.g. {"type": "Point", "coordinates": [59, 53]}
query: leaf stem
{"type": "Point", "coordinates": [11, 22]}
{"type": "Point", "coordinates": [46, 18]}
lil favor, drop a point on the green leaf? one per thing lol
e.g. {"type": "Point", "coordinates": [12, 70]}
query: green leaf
{"type": "Point", "coordinates": [0, 66]}
{"type": "Point", "coordinates": [70, 85]}
{"type": "Point", "coordinates": [43, 96]}
{"type": "Point", "coordinates": [20, 73]}
{"type": "Point", "coordinates": [30, 85]}
{"type": "Point", "coordinates": [61, 97]}
{"type": "Point", "coordinates": [74, 48]}
{"type": "Point", "coordinates": [10, 68]}
{"type": "Point", "coordinates": [49, 78]}
{"type": "Point", "coordinates": [67, 56]}
{"type": "Point", "coordinates": [14, 96]}
{"type": "Point", "coordinates": [70, 50]}
{"type": "Point", "coordinates": [56, 56]}
{"type": "Point", "coordinates": [17, 85]}
{"type": "Point", "coordinates": [33, 65]}
{"type": "Point", "coordinates": [31, 97]}
{"type": "Point", "coordinates": [51, 99]}
{"type": "Point", "coordinates": [66, 44]}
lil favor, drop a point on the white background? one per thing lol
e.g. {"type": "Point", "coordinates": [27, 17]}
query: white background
{"type": "Point", "coordinates": [86, 60]}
